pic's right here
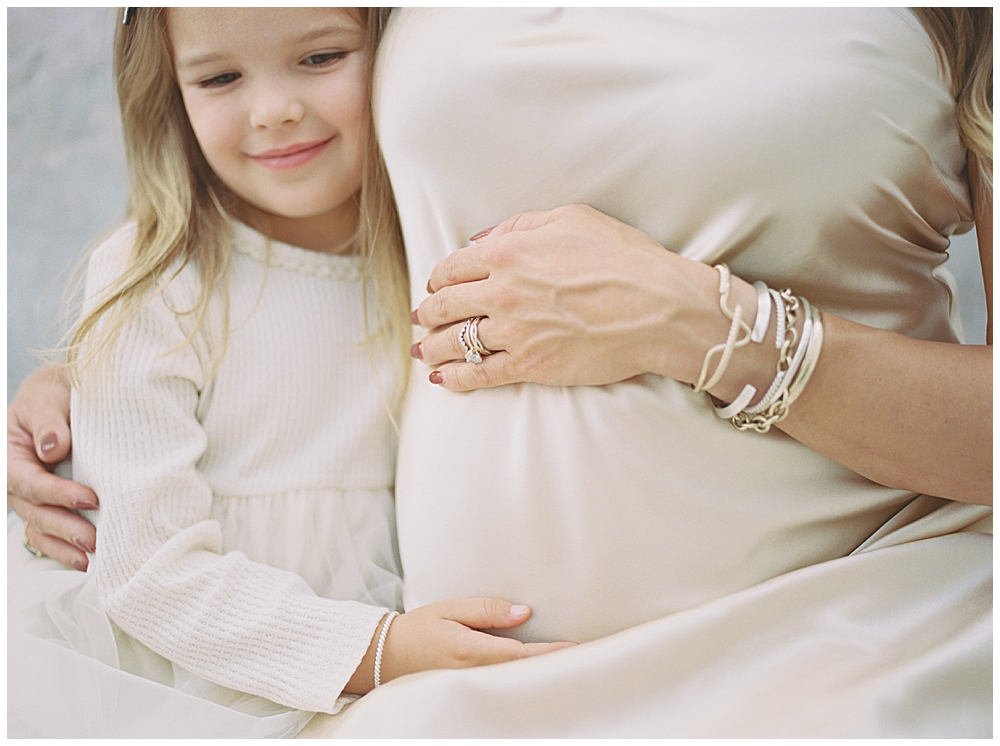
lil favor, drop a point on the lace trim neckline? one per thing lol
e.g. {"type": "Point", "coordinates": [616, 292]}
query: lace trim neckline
{"type": "Point", "coordinates": [273, 253]}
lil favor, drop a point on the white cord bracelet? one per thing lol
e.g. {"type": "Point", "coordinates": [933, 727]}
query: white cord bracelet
{"type": "Point", "coordinates": [739, 403]}
{"type": "Point", "coordinates": [760, 325]}
{"type": "Point", "coordinates": [381, 645]}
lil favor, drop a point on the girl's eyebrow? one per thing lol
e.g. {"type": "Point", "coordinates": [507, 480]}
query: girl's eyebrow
{"type": "Point", "coordinates": [188, 62]}
{"type": "Point", "coordinates": [327, 31]}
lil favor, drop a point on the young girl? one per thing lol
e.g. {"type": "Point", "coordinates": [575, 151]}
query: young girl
{"type": "Point", "coordinates": [239, 352]}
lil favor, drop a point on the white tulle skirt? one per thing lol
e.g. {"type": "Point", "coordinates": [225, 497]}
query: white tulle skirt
{"type": "Point", "coordinates": [72, 673]}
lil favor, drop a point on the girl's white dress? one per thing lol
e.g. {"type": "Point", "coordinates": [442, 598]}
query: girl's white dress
{"type": "Point", "coordinates": [246, 537]}
{"type": "Point", "coordinates": [750, 586]}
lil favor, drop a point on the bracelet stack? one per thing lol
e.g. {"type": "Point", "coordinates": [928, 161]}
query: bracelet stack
{"type": "Point", "coordinates": [796, 359]}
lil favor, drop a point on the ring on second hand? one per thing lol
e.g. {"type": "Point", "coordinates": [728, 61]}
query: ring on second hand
{"type": "Point", "coordinates": [27, 545]}
{"type": "Point", "coordinates": [468, 337]}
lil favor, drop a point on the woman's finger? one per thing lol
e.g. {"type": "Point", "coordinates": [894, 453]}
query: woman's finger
{"type": "Point", "coordinates": [28, 480]}
{"type": "Point", "coordinates": [443, 345]}
{"type": "Point", "coordinates": [440, 346]}
{"type": "Point", "coordinates": [522, 221]}
{"type": "Point", "coordinates": [57, 550]}
{"type": "Point", "coordinates": [41, 410]}
{"type": "Point", "coordinates": [495, 370]}
{"type": "Point", "coordinates": [61, 524]}
{"type": "Point", "coordinates": [467, 264]}
{"type": "Point", "coordinates": [475, 262]}
{"type": "Point", "coordinates": [451, 304]}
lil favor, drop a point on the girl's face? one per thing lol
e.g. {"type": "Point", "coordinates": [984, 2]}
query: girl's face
{"type": "Point", "coordinates": [278, 100]}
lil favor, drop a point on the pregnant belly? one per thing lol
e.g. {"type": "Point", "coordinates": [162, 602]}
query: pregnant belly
{"type": "Point", "coordinates": [606, 507]}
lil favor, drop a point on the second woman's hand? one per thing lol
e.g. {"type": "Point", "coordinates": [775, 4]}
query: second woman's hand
{"type": "Point", "coordinates": [446, 634]}
{"type": "Point", "coordinates": [38, 437]}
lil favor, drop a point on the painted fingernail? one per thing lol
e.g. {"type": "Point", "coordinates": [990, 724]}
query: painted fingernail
{"type": "Point", "coordinates": [49, 442]}
{"type": "Point", "coordinates": [80, 565]}
{"type": "Point", "coordinates": [519, 610]}
{"type": "Point", "coordinates": [436, 377]}
{"type": "Point", "coordinates": [416, 352]}
{"type": "Point", "coordinates": [415, 318]}
{"type": "Point", "coordinates": [84, 505]}
{"type": "Point", "coordinates": [482, 234]}
{"type": "Point", "coordinates": [82, 545]}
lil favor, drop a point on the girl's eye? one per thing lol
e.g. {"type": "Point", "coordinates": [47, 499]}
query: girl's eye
{"type": "Point", "coordinates": [321, 59]}
{"type": "Point", "coordinates": [219, 80]}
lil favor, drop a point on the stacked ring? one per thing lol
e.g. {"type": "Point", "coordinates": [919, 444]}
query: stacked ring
{"type": "Point", "coordinates": [468, 337]}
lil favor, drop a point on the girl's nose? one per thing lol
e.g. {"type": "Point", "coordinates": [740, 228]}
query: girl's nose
{"type": "Point", "coordinates": [273, 107]}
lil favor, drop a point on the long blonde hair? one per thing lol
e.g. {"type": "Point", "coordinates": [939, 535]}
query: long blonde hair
{"type": "Point", "coordinates": [180, 207]}
{"type": "Point", "coordinates": [963, 39]}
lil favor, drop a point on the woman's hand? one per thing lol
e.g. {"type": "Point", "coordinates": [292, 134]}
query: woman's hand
{"type": "Point", "coordinates": [571, 297]}
{"type": "Point", "coordinates": [38, 437]}
{"type": "Point", "coordinates": [445, 634]}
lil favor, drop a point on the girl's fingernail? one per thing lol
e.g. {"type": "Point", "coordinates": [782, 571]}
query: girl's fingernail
{"type": "Point", "coordinates": [429, 290]}
{"type": "Point", "coordinates": [436, 377]}
{"type": "Point", "coordinates": [82, 545]}
{"type": "Point", "coordinates": [416, 352]}
{"type": "Point", "coordinates": [518, 610]}
{"type": "Point", "coordinates": [84, 505]}
{"type": "Point", "coordinates": [80, 565]}
{"type": "Point", "coordinates": [49, 442]}
{"type": "Point", "coordinates": [415, 318]}
{"type": "Point", "coordinates": [482, 234]}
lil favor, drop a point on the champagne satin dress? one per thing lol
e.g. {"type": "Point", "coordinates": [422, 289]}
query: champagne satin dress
{"type": "Point", "coordinates": [722, 583]}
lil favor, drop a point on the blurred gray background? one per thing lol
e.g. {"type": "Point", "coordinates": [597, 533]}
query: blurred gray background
{"type": "Point", "coordinates": [66, 179]}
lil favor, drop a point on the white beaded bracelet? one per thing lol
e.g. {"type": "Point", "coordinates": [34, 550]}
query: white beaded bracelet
{"type": "Point", "coordinates": [780, 319]}
{"type": "Point", "coordinates": [381, 646]}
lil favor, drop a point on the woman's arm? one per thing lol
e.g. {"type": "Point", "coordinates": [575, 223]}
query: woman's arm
{"type": "Point", "coordinates": [907, 413]}
{"type": "Point", "coordinates": [564, 309]}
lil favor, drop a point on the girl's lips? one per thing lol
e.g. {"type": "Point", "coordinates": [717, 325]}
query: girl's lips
{"type": "Point", "coordinates": [293, 156]}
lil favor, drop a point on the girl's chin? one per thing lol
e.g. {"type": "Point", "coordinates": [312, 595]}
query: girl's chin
{"type": "Point", "coordinates": [304, 212]}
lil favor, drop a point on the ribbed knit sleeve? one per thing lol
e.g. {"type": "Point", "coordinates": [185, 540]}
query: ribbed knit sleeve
{"type": "Point", "coordinates": [160, 569]}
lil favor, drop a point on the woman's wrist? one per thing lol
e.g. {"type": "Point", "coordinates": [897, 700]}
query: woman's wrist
{"type": "Point", "coordinates": [695, 323]}
{"type": "Point", "coordinates": [362, 680]}
{"type": "Point", "coordinates": [690, 323]}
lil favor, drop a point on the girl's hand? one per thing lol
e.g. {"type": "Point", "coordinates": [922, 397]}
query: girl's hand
{"type": "Point", "coordinates": [38, 437]}
{"type": "Point", "coordinates": [444, 634]}
{"type": "Point", "coordinates": [570, 297]}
